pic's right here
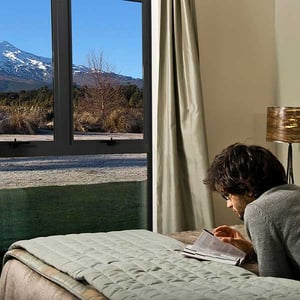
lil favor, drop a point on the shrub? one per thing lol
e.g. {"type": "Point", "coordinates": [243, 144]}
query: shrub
{"type": "Point", "coordinates": [20, 120]}
{"type": "Point", "coordinates": [124, 120]}
{"type": "Point", "coordinates": [86, 121]}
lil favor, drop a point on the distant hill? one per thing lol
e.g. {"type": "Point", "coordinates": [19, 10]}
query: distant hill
{"type": "Point", "coordinates": [20, 70]}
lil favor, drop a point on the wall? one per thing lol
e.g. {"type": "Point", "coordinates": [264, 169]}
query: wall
{"type": "Point", "coordinates": [287, 24]}
{"type": "Point", "coordinates": [155, 15]}
{"type": "Point", "coordinates": [239, 72]}
{"type": "Point", "coordinates": [238, 69]}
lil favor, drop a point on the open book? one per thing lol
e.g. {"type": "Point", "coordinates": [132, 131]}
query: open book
{"type": "Point", "coordinates": [209, 247]}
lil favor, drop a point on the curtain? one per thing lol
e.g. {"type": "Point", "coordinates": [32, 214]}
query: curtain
{"type": "Point", "coordinates": [183, 201]}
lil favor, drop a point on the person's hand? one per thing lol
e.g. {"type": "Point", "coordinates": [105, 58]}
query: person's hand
{"type": "Point", "coordinates": [234, 237]}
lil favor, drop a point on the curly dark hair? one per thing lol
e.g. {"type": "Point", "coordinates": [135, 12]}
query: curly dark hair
{"type": "Point", "coordinates": [240, 169]}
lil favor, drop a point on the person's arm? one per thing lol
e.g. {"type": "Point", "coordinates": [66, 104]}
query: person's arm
{"type": "Point", "coordinates": [271, 256]}
{"type": "Point", "coordinates": [235, 238]}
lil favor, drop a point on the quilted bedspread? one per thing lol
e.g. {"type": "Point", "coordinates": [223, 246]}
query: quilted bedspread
{"type": "Point", "coordinates": [140, 264]}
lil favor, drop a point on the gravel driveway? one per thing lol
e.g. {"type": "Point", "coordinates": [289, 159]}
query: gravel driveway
{"type": "Point", "coordinates": [67, 170]}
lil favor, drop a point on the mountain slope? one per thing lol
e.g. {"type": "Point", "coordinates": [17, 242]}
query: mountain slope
{"type": "Point", "coordinates": [20, 70]}
{"type": "Point", "coordinates": [18, 63]}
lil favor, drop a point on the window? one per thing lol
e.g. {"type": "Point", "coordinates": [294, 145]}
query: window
{"type": "Point", "coordinates": [113, 166]}
{"type": "Point", "coordinates": [107, 70]}
{"type": "Point", "coordinates": [26, 95]}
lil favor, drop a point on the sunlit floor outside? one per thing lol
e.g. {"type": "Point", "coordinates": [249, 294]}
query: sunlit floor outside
{"type": "Point", "coordinates": [71, 170]}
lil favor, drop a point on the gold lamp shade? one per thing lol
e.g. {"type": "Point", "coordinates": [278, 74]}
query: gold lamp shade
{"type": "Point", "coordinates": [283, 124]}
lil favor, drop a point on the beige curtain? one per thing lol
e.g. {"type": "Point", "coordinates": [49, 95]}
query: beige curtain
{"type": "Point", "coordinates": [183, 201]}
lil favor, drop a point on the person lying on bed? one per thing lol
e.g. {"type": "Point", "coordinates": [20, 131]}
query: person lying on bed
{"type": "Point", "coordinates": [253, 183]}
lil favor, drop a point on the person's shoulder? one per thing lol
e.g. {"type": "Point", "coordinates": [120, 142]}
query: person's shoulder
{"type": "Point", "coordinates": [274, 201]}
{"type": "Point", "coordinates": [280, 192]}
{"type": "Point", "coordinates": [284, 187]}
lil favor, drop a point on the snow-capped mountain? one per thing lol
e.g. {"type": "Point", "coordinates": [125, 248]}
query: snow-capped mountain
{"type": "Point", "coordinates": [18, 63]}
{"type": "Point", "coordinates": [23, 70]}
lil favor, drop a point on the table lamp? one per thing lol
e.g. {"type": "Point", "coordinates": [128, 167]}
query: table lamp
{"type": "Point", "coordinates": [283, 125]}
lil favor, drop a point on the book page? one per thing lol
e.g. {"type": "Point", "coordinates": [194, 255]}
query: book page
{"type": "Point", "coordinates": [208, 244]}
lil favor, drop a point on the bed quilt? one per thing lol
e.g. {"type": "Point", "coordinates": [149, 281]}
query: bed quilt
{"type": "Point", "coordinates": [140, 264]}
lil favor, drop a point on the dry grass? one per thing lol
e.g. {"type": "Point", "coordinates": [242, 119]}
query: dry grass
{"type": "Point", "coordinates": [29, 119]}
{"type": "Point", "coordinates": [21, 120]}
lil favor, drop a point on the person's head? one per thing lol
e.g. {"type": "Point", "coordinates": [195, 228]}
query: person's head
{"type": "Point", "coordinates": [242, 173]}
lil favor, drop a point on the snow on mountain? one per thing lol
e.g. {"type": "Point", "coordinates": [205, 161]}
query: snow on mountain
{"type": "Point", "coordinates": [18, 63]}
{"type": "Point", "coordinates": [23, 70]}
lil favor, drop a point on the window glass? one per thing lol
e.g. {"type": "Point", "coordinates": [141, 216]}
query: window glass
{"type": "Point", "coordinates": [42, 196]}
{"type": "Point", "coordinates": [26, 95]}
{"type": "Point", "coordinates": [107, 69]}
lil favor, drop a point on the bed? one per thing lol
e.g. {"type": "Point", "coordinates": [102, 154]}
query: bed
{"type": "Point", "coordinates": [129, 264]}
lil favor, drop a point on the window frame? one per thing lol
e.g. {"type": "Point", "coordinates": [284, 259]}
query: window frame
{"type": "Point", "coordinates": [64, 143]}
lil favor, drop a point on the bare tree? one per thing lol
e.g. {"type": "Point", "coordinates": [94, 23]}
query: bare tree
{"type": "Point", "coordinates": [103, 105]}
{"type": "Point", "coordinates": [105, 94]}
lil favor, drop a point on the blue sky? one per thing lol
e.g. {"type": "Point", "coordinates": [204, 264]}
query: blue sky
{"type": "Point", "coordinates": [109, 26]}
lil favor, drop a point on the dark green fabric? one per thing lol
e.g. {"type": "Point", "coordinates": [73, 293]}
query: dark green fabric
{"type": "Point", "coordinates": [42, 211]}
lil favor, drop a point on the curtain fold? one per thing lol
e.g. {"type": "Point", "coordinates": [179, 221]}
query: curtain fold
{"type": "Point", "coordinates": [183, 201]}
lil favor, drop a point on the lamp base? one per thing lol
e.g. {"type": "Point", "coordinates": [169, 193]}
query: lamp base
{"type": "Point", "coordinates": [289, 172]}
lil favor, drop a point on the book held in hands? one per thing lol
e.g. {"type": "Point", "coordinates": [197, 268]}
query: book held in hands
{"type": "Point", "coordinates": [209, 247]}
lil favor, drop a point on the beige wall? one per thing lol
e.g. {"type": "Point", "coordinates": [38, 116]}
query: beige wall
{"type": "Point", "coordinates": [242, 45]}
{"type": "Point", "coordinates": [287, 24]}
{"type": "Point", "coordinates": [238, 69]}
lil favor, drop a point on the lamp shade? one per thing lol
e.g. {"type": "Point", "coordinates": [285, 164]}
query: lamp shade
{"type": "Point", "coordinates": [283, 124]}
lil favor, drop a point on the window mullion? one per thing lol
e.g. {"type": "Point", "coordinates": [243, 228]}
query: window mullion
{"type": "Point", "coordinates": [62, 65]}
{"type": "Point", "coordinates": [147, 76]}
